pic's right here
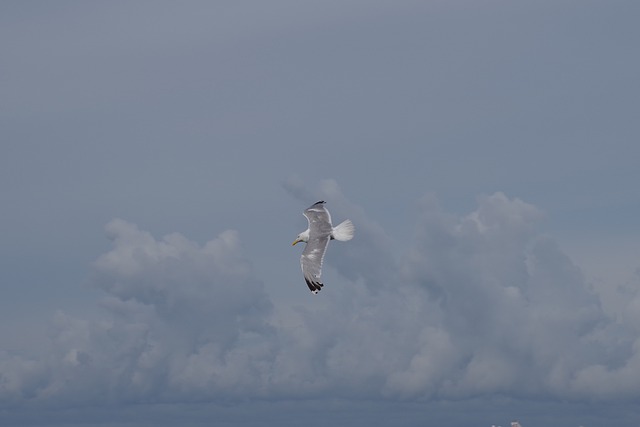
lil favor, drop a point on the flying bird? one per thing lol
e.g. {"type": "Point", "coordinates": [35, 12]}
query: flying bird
{"type": "Point", "coordinates": [317, 237]}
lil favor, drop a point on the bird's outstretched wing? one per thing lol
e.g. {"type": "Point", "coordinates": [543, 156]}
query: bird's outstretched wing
{"type": "Point", "coordinates": [319, 218]}
{"type": "Point", "coordinates": [311, 261]}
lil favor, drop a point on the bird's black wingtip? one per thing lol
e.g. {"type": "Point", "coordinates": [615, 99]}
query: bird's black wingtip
{"type": "Point", "coordinates": [321, 202]}
{"type": "Point", "coordinates": [314, 287]}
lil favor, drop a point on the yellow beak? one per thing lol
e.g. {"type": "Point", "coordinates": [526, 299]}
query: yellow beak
{"type": "Point", "coordinates": [296, 241]}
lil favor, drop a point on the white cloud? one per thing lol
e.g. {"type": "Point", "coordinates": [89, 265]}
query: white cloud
{"type": "Point", "coordinates": [182, 321]}
{"type": "Point", "coordinates": [479, 305]}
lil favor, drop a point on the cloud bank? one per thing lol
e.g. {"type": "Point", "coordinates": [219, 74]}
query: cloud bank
{"type": "Point", "coordinates": [478, 305]}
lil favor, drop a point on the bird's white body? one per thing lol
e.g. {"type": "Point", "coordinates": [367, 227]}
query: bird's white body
{"type": "Point", "coordinates": [342, 232]}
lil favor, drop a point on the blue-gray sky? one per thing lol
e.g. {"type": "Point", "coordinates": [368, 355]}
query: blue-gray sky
{"type": "Point", "coordinates": [156, 157]}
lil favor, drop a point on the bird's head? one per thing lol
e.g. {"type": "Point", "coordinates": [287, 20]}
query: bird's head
{"type": "Point", "coordinates": [302, 237]}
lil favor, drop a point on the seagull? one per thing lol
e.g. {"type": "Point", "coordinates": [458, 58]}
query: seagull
{"type": "Point", "coordinates": [317, 237]}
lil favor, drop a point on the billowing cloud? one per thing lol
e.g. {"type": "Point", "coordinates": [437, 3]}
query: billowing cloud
{"type": "Point", "coordinates": [182, 323]}
{"type": "Point", "coordinates": [481, 304]}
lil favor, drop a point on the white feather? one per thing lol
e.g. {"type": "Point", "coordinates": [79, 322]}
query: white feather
{"type": "Point", "coordinates": [343, 231]}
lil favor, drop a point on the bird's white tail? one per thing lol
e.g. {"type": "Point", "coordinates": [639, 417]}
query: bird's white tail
{"type": "Point", "coordinates": [343, 231]}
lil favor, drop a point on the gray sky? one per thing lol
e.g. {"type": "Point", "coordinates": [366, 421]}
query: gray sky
{"type": "Point", "coordinates": [156, 158]}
